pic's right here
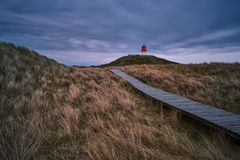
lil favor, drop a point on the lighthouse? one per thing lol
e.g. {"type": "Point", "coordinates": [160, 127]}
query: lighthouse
{"type": "Point", "coordinates": [144, 49]}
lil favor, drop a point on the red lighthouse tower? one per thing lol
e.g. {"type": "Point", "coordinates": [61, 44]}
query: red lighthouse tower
{"type": "Point", "coordinates": [144, 49]}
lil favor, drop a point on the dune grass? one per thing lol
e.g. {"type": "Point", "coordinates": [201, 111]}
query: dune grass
{"type": "Point", "coordinates": [217, 84]}
{"type": "Point", "coordinates": [50, 111]}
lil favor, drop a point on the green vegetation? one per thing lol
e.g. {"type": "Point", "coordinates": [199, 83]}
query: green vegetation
{"type": "Point", "coordinates": [137, 59]}
{"type": "Point", "coordinates": [50, 111]}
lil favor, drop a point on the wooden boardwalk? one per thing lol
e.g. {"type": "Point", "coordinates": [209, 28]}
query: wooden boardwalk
{"type": "Point", "coordinates": [209, 115]}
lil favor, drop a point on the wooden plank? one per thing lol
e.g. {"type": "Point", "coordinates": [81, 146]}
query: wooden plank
{"type": "Point", "coordinates": [162, 93]}
{"type": "Point", "coordinates": [194, 109]}
{"type": "Point", "coordinates": [178, 100]}
{"type": "Point", "coordinates": [189, 108]}
{"type": "Point", "coordinates": [215, 113]}
{"type": "Point", "coordinates": [153, 92]}
{"type": "Point", "coordinates": [223, 118]}
{"type": "Point", "coordinates": [182, 103]}
{"type": "Point", "coordinates": [204, 113]}
{"type": "Point", "coordinates": [167, 98]}
{"type": "Point", "coordinates": [182, 100]}
{"type": "Point", "coordinates": [203, 107]}
{"type": "Point", "coordinates": [198, 109]}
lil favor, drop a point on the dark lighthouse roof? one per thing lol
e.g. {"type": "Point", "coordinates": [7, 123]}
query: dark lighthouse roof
{"type": "Point", "coordinates": [144, 48]}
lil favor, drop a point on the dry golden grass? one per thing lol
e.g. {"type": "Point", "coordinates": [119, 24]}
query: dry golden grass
{"type": "Point", "coordinates": [217, 84]}
{"type": "Point", "coordinates": [49, 111]}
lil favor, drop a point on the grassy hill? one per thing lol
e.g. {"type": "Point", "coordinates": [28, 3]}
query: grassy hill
{"type": "Point", "coordinates": [137, 59]}
{"type": "Point", "coordinates": [50, 111]}
{"type": "Point", "coordinates": [217, 84]}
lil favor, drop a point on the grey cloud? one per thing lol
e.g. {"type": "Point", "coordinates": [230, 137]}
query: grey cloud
{"type": "Point", "coordinates": [113, 27]}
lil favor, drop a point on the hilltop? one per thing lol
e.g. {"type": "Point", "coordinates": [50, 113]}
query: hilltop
{"type": "Point", "coordinates": [137, 59]}
{"type": "Point", "coordinates": [51, 111]}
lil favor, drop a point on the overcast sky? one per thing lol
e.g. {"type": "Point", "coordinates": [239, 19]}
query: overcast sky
{"type": "Point", "coordinates": [91, 32]}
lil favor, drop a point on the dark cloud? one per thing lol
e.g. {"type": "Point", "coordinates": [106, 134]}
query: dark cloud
{"type": "Point", "coordinates": [97, 31]}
